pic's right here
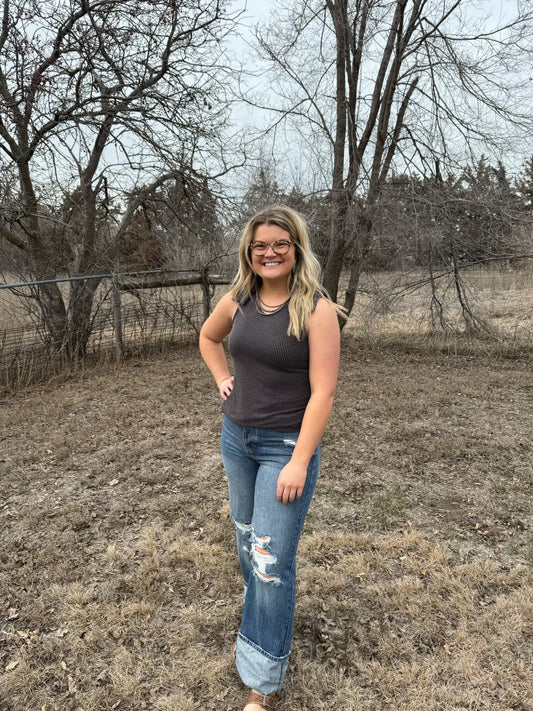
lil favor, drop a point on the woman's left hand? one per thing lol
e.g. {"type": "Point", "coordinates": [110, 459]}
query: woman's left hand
{"type": "Point", "coordinates": [291, 482]}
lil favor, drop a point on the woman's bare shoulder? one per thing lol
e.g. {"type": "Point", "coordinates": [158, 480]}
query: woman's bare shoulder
{"type": "Point", "coordinates": [324, 309]}
{"type": "Point", "coordinates": [324, 321]}
{"type": "Point", "coordinates": [227, 305]}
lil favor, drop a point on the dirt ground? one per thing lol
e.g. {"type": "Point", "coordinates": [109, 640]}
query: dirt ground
{"type": "Point", "coordinates": [119, 586]}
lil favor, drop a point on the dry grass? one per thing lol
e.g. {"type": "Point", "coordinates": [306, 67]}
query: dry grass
{"type": "Point", "coordinates": [502, 299]}
{"type": "Point", "coordinates": [119, 586]}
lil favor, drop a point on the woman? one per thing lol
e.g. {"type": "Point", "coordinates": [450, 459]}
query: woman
{"type": "Point", "coordinates": [284, 344]}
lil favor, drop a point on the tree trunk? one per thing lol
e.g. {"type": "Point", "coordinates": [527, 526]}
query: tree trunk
{"type": "Point", "coordinates": [337, 242]}
{"type": "Point", "coordinates": [334, 261]}
{"type": "Point", "coordinates": [362, 242]}
{"type": "Point", "coordinates": [49, 296]}
{"type": "Point", "coordinates": [80, 313]}
{"type": "Point", "coordinates": [54, 314]}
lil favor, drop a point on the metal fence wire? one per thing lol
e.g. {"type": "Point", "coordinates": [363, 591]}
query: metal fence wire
{"type": "Point", "coordinates": [139, 312]}
{"type": "Point", "coordinates": [133, 313]}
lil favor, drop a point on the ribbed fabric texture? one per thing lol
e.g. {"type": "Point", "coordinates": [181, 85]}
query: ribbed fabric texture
{"type": "Point", "coordinates": [271, 371]}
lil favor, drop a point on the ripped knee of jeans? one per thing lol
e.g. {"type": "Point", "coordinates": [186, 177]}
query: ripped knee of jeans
{"type": "Point", "coordinates": [244, 528]}
{"type": "Point", "coordinates": [264, 560]}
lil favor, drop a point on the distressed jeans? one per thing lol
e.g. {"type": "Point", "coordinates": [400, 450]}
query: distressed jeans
{"type": "Point", "coordinates": [267, 538]}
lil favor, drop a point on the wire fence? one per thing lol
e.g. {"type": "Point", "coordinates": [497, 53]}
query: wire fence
{"type": "Point", "coordinates": [139, 312]}
{"type": "Point", "coordinates": [133, 313]}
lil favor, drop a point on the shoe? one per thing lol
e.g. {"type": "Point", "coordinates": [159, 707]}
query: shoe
{"type": "Point", "coordinates": [267, 702]}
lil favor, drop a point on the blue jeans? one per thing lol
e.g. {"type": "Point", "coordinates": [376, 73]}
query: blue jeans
{"type": "Point", "coordinates": [267, 538]}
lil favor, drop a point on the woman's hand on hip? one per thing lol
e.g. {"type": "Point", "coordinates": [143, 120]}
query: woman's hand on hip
{"type": "Point", "coordinates": [291, 482]}
{"type": "Point", "coordinates": [225, 387]}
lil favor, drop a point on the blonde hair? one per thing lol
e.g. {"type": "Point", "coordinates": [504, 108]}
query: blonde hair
{"type": "Point", "coordinates": [304, 284]}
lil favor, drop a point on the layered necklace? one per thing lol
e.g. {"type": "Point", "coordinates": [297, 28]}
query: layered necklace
{"type": "Point", "coordinates": [267, 309]}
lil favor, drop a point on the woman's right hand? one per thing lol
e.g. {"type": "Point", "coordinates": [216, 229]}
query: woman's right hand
{"type": "Point", "coordinates": [225, 387]}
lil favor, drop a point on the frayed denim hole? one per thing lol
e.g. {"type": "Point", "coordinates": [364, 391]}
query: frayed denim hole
{"type": "Point", "coordinates": [263, 559]}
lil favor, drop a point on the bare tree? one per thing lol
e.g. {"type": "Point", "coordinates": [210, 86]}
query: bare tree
{"type": "Point", "coordinates": [97, 96]}
{"type": "Point", "coordinates": [411, 83]}
{"type": "Point", "coordinates": [176, 227]}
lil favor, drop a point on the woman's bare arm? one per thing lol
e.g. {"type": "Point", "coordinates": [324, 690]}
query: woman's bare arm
{"type": "Point", "coordinates": [215, 329]}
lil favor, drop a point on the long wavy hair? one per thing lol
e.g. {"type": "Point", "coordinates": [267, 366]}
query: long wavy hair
{"type": "Point", "coordinates": [304, 282]}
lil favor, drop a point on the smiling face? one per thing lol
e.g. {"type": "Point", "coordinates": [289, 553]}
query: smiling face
{"type": "Point", "coordinates": [271, 265]}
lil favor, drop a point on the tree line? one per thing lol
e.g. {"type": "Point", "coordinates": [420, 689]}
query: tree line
{"type": "Point", "coordinates": [117, 148]}
{"type": "Point", "coordinates": [477, 216]}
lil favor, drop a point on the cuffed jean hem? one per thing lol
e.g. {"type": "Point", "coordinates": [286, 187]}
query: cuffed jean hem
{"type": "Point", "coordinates": [258, 670]}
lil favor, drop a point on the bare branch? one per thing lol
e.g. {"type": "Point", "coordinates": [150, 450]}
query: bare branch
{"type": "Point", "coordinates": [12, 237]}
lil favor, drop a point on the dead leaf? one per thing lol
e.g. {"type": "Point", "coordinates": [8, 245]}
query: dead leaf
{"type": "Point", "coordinates": [28, 635]}
{"type": "Point", "coordinates": [12, 665]}
{"type": "Point", "coordinates": [71, 685]}
{"type": "Point", "coordinates": [114, 482]}
{"type": "Point", "coordinates": [12, 614]}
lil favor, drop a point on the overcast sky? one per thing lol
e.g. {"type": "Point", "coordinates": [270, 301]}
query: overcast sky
{"type": "Point", "coordinates": [260, 8]}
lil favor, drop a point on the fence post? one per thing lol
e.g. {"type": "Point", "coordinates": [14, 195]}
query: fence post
{"type": "Point", "coordinates": [204, 273]}
{"type": "Point", "coordinates": [117, 318]}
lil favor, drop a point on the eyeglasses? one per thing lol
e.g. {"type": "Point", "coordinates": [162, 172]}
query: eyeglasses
{"type": "Point", "coordinates": [280, 246]}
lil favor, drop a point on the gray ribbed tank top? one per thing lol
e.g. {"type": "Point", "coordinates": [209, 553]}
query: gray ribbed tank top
{"type": "Point", "coordinates": [271, 371]}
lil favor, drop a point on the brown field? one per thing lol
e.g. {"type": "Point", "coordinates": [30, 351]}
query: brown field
{"type": "Point", "coordinates": [119, 587]}
{"type": "Point", "coordinates": [400, 302]}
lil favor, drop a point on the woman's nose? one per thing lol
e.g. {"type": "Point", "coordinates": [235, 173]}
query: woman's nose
{"type": "Point", "coordinates": [271, 248]}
